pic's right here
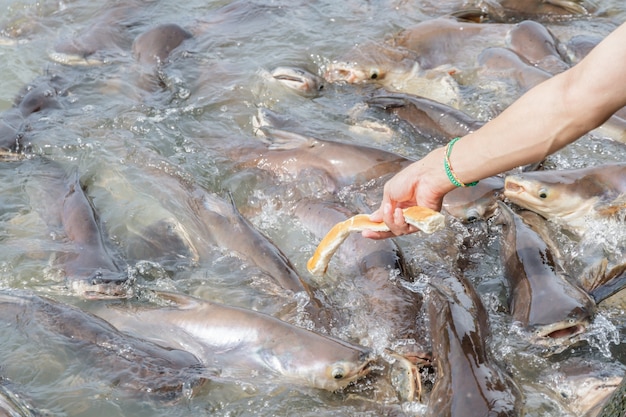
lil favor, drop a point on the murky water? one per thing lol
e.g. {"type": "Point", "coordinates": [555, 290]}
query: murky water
{"type": "Point", "coordinates": [122, 130]}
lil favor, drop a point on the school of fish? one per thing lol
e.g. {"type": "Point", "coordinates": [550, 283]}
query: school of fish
{"type": "Point", "coordinates": [172, 282]}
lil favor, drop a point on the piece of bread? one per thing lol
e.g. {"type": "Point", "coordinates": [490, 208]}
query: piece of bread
{"type": "Point", "coordinates": [423, 218]}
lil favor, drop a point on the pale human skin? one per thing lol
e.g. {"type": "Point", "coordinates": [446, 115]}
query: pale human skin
{"type": "Point", "coordinates": [545, 119]}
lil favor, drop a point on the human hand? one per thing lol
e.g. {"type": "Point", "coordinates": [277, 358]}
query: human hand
{"type": "Point", "coordinates": [422, 183]}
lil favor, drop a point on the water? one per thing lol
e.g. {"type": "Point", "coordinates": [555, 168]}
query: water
{"type": "Point", "coordinates": [110, 128]}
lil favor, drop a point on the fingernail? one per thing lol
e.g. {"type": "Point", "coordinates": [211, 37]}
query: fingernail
{"type": "Point", "coordinates": [386, 209]}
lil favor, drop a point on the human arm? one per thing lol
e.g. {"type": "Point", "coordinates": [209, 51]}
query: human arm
{"type": "Point", "coordinates": [542, 121]}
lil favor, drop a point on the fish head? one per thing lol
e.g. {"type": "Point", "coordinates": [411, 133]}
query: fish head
{"type": "Point", "coordinates": [102, 284]}
{"type": "Point", "coordinates": [550, 196]}
{"type": "Point", "coordinates": [559, 335]}
{"type": "Point", "coordinates": [370, 63]}
{"type": "Point", "coordinates": [298, 80]}
{"type": "Point", "coordinates": [470, 204]}
{"type": "Point", "coordinates": [335, 367]}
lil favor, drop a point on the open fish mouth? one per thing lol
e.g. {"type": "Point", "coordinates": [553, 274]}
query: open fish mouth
{"type": "Point", "coordinates": [512, 187]}
{"type": "Point", "coordinates": [559, 336]}
{"type": "Point", "coordinates": [103, 285]}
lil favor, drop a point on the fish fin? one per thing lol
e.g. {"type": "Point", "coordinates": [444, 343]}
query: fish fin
{"type": "Point", "coordinates": [216, 204]}
{"type": "Point", "coordinates": [278, 139]}
{"type": "Point", "coordinates": [594, 276]}
{"type": "Point", "coordinates": [613, 282]}
{"type": "Point", "coordinates": [387, 102]}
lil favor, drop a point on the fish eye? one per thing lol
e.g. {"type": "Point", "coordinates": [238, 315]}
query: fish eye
{"type": "Point", "coordinates": [338, 372]}
{"type": "Point", "coordinates": [543, 193]}
{"type": "Point", "coordinates": [374, 74]}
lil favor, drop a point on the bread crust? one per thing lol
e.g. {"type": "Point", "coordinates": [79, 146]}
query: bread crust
{"type": "Point", "coordinates": [425, 219]}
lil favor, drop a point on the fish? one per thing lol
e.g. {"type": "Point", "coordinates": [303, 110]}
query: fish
{"type": "Point", "coordinates": [133, 364]}
{"type": "Point", "coordinates": [467, 378]}
{"type": "Point", "coordinates": [543, 298]}
{"type": "Point", "coordinates": [102, 39]}
{"type": "Point", "coordinates": [223, 224]}
{"type": "Point", "coordinates": [299, 80]}
{"type": "Point", "coordinates": [153, 47]}
{"type": "Point", "coordinates": [35, 100]}
{"type": "Point", "coordinates": [615, 405]}
{"type": "Point", "coordinates": [535, 42]}
{"type": "Point", "coordinates": [188, 225]}
{"type": "Point", "coordinates": [571, 197]}
{"type": "Point", "coordinates": [430, 119]}
{"type": "Point", "coordinates": [509, 65]}
{"type": "Point", "coordinates": [470, 204]}
{"type": "Point", "coordinates": [12, 131]}
{"type": "Point", "coordinates": [581, 385]}
{"type": "Point", "coordinates": [89, 267]}
{"type": "Point", "coordinates": [380, 299]}
{"type": "Point", "coordinates": [395, 69]}
{"type": "Point", "coordinates": [244, 344]}
{"type": "Point", "coordinates": [292, 155]}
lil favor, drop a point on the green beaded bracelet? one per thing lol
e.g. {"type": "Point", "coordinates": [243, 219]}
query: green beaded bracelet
{"type": "Point", "coordinates": [449, 172]}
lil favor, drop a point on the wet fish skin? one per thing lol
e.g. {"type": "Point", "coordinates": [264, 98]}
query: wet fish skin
{"type": "Point", "coordinates": [341, 164]}
{"type": "Point", "coordinates": [542, 297]}
{"type": "Point", "coordinates": [299, 80]}
{"type": "Point", "coordinates": [105, 36]}
{"type": "Point", "coordinates": [386, 308]}
{"type": "Point", "coordinates": [568, 197]}
{"type": "Point", "coordinates": [468, 381]}
{"type": "Point", "coordinates": [538, 45]}
{"type": "Point", "coordinates": [429, 118]}
{"type": "Point", "coordinates": [510, 65]}
{"type": "Point", "coordinates": [470, 204]}
{"type": "Point", "coordinates": [228, 228]}
{"type": "Point", "coordinates": [371, 262]}
{"type": "Point", "coordinates": [90, 269]}
{"type": "Point", "coordinates": [154, 46]}
{"type": "Point", "coordinates": [245, 344]}
{"type": "Point", "coordinates": [136, 365]}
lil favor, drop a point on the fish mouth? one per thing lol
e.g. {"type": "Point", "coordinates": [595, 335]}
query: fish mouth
{"type": "Point", "coordinates": [510, 186]}
{"type": "Point", "coordinates": [103, 285]}
{"type": "Point", "coordinates": [559, 335]}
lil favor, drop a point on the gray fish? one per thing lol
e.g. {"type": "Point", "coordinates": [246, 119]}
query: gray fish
{"type": "Point", "coordinates": [228, 228]}
{"type": "Point", "coordinates": [505, 63]}
{"type": "Point", "coordinates": [89, 267]}
{"type": "Point", "coordinates": [245, 344]}
{"type": "Point", "coordinates": [102, 38]}
{"type": "Point", "coordinates": [469, 204]}
{"type": "Point", "coordinates": [299, 80]}
{"type": "Point", "coordinates": [12, 130]}
{"type": "Point", "coordinates": [542, 297]}
{"type": "Point", "coordinates": [154, 46]}
{"type": "Point", "coordinates": [395, 69]}
{"type": "Point", "coordinates": [386, 310]}
{"type": "Point", "coordinates": [286, 153]}
{"type": "Point", "coordinates": [537, 45]}
{"type": "Point", "coordinates": [571, 197]}
{"type": "Point", "coordinates": [135, 365]}
{"type": "Point", "coordinates": [615, 405]}
{"type": "Point", "coordinates": [468, 380]}
{"type": "Point", "coordinates": [430, 119]}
